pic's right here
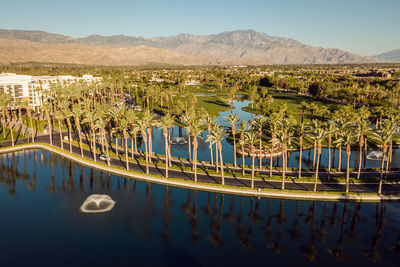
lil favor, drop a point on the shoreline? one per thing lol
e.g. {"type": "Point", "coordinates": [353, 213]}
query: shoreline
{"type": "Point", "coordinates": [223, 189]}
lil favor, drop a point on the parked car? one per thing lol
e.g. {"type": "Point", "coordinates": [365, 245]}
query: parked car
{"type": "Point", "coordinates": [103, 157]}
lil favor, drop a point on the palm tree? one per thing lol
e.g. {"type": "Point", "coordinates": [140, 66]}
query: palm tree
{"type": "Point", "coordinates": [382, 137]}
{"type": "Point", "coordinates": [330, 130]}
{"type": "Point", "coordinates": [195, 131]}
{"type": "Point", "coordinates": [141, 125]}
{"type": "Point", "coordinates": [165, 123]}
{"type": "Point", "coordinates": [188, 117]}
{"type": "Point", "coordinates": [257, 124]}
{"type": "Point", "coordinates": [362, 131]}
{"type": "Point", "coordinates": [59, 115]}
{"type": "Point", "coordinates": [318, 135]}
{"type": "Point", "coordinates": [47, 108]}
{"type": "Point", "coordinates": [349, 137]}
{"type": "Point", "coordinates": [76, 112]}
{"type": "Point", "coordinates": [216, 137]}
{"type": "Point", "coordinates": [29, 112]}
{"type": "Point", "coordinates": [251, 139]}
{"type": "Point", "coordinates": [301, 134]}
{"type": "Point", "coordinates": [101, 124]}
{"type": "Point", "coordinates": [90, 117]}
{"type": "Point", "coordinates": [209, 121]}
{"type": "Point", "coordinates": [232, 119]}
{"type": "Point", "coordinates": [148, 117]}
{"type": "Point", "coordinates": [243, 127]}
{"type": "Point", "coordinates": [123, 126]}
{"type": "Point", "coordinates": [282, 137]}
{"type": "Point", "coordinates": [131, 117]}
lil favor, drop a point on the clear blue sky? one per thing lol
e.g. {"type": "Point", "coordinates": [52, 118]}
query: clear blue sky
{"type": "Point", "coordinates": [361, 26]}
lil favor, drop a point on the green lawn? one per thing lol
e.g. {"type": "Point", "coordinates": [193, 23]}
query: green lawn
{"type": "Point", "coordinates": [293, 100]}
{"type": "Point", "coordinates": [8, 135]}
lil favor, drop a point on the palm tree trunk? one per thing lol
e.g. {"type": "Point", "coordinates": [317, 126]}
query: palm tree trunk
{"type": "Point", "coordinates": [50, 128]}
{"type": "Point", "coordinates": [359, 163]}
{"type": "Point", "coordinates": [216, 158]}
{"type": "Point", "coordinates": [80, 138]}
{"type": "Point", "coordinates": [32, 131]}
{"type": "Point", "coordinates": [107, 151]}
{"type": "Point", "coordinates": [260, 155]}
{"type": "Point", "coordinates": [195, 161]}
{"type": "Point", "coordinates": [340, 159]}
{"type": "Point", "coordinates": [94, 145]}
{"type": "Point", "coordinates": [300, 154]}
{"type": "Point", "coordinates": [61, 139]}
{"type": "Point", "coordinates": [243, 160]}
{"type": "Point", "coordinates": [252, 169]}
{"type": "Point", "coordinates": [348, 153]}
{"type": "Point", "coordinates": [116, 143]}
{"type": "Point", "coordinates": [316, 172]}
{"type": "Point", "coordinates": [150, 143]}
{"type": "Point", "coordinates": [283, 168]}
{"type": "Point", "coordinates": [382, 167]}
{"type": "Point", "coordinates": [314, 154]}
{"type": "Point", "coordinates": [329, 158]}
{"type": "Point", "coordinates": [166, 153]}
{"type": "Point", "coordinates": [222, 163]}
{"type": "Point", "coordinates": [132, 147]}
{"type": "Point", "coordinates": [234, 148]}
{"type": "Point", "coordinates": [126, 151]}
{"type": "Point", "coordinates": [146, 152]}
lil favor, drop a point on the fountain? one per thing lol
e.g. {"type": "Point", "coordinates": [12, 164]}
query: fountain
{"type": "Point", "coordinates": [178, 140]}
{"type": "Point", "coordinates": [97, 203]}
{"type": "Point", "coordinates": [375, 155]}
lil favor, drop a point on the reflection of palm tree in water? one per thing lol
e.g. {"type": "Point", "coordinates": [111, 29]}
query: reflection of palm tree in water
{"type": "Point", "coordinates": [333, 218]}
{"type": "Point", "coordinates": [230, 215]}
{"type": "Point", "coordinates": [215, 223]}
{"type": "Point", "coordinates": [51, 188]}
{"type": "Point", "coordinates": [239, 223]}
{"type": "Point", "coordinates": [193, 221]}
{"type": "Point", "coordinates": [322, 229]}
{"type": "Point", "coordinates": [373, 253]}
{"type": "Point", "coordinates": [63, 174]}
{"type": "Point", "coordinates": [354, 220]}
{"type": "Point", "coordinates": [294, 232]}
{"type": "Point", "coordinates": [281, 219]}
{"type": "Point", "coordinates": [81, 185]}
{"type": "Point", "coordinates": [32, 185]}
{"type": "Point", "coordinates": [166, 218]}
{"type": "Point", "coordinates": [338, 252]}
{"type": "Point", "coordinates": [12, 190]}
{"type": "Point", "coordinates": [311, 251]}
{"type": "Point", "coordinates": [71, 177]}
{"type": "Point", "coordinates": [247, 241]}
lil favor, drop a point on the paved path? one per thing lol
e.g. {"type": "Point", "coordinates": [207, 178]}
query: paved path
{"type": "Point", "coordinates": [291, 184]}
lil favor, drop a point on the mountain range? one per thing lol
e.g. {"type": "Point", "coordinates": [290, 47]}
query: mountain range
{"type": "Point", "coordinates": [390, 56]}
{"type": "Point", "coordinates": [234, 47]}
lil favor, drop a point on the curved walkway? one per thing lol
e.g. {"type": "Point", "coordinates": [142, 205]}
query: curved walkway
{"type": "Point", "coordinates": [232, 187]}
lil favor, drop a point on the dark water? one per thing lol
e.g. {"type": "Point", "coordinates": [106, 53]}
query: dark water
{"type": "Point", "coordinates": [41, 223]}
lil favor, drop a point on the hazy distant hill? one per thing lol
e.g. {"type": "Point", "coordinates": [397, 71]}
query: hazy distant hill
{"type": "Point", "coordinates": [235, 47]}
{"type": "Point", "coordinates": [12, 50]}
{"type": "Point", "coordinates": [391, 56]}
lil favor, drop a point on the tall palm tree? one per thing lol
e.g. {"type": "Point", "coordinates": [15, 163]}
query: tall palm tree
{"type": "Point", "coordinates": [59, 115]}
{"type": "Point", "coordinates": [131, 117]}
{"type": "Point", "coordinates": [195, 131]}
{"type": "Point", "coordinates": [148, 117]}
{"type": "Point", "coordinates": [123, 126]}
{"type": "Point", "coordinates": [165, 124]}
{"type": "Point", "coordinates": [209, 121]}
{"type": "Point", "coordinates": [349, 137]}
{"type": "Point", "coordinates": [90, 118]}
{"type": "Point", "coordinates": [301, 135]}
{"type": "Point", "coordinates": [216, 137]}
{"type": "Point", "coordinates": [141, 125]}
{"type": "Point", "coordinates": [282, 137]}
{"type": "Point", "coordinates": [29, 112]}
{"type": "Point", "coordinates": [330, 130]}
{"type": "Point", "coordinates": [232, 119]}
{"type": "Point", "coordinates": [243, 127]}
{"type": "Point", "coordinates": [101, 124]}
{"type": "Point", "coordinates": [362, 131]}
{"type": "Point", "coordinates": [76, 113]}
{"type": "Point", "coordinates": [318, 135]}
{"type": "Point", "coordinates": [382, 137]}
{"type": "Point", "coordinates": [258, 123]}
{"type": "Point", "coordinates": [251, 139]}
{"type": "Point", "coordinates": [187, 118]}
{"type": "Point", "coordinates": [47, 108]}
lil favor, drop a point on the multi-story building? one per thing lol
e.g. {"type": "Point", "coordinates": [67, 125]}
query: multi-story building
{"type": "Point", "coordinates": [29, 88]}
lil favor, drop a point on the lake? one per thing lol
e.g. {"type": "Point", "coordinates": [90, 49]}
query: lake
{"type": "Point", "coordinates": [41, 223]}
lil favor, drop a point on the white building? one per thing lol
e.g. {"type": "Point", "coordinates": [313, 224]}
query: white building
{"type": "Point", "coordinates": [30, 88]}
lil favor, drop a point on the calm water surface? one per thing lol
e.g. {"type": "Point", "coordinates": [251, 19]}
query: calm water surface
{"type": "Point", "coordinates": [40, 196]}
